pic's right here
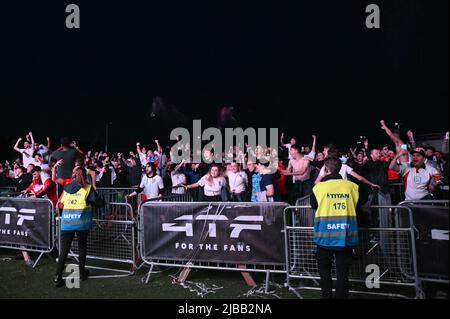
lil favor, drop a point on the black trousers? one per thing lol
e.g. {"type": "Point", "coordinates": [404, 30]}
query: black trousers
{"type": "Point", "coordinates": [300, 189]}
{"type": "Point", "coordinates": [343, 257]}
{"type": "Point", "coordinates": [66, 242]}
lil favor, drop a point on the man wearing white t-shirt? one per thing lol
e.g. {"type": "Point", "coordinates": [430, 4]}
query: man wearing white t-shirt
{"type": "Point", "coordinates": [27, 151]}
{"type": "Point", "coordinates": [417, 177]}
{"type": "Point", "coordinates": [151, 184]}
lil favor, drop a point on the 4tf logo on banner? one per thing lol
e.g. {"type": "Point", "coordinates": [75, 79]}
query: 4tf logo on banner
{"type": "Point", "coordinates": [26, 222]}
{"type": "Point", "coordinates": [250, 233]}
{"type": "Point", "coordinates": [23, 214]}
{"type": "Point", "coordinates": [237, 228]}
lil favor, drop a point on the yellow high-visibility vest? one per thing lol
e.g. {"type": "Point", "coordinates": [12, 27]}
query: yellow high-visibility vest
{"type": "Point", "coordinates": [77, 213]}
{"type": "Point", "coordinates": [335, 223]}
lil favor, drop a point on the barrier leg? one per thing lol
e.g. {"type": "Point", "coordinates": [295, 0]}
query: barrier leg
{"type": "Point", "coordinates": [37, 260]}
{"type": "Point", "coordinates": [147, 278]}
{"type": "Point", "coordinates": [267, 282]}
{"type": "Point", "coordinates": [125, 273]}
{"type": "Point", "coordinates": [139, 267]}
{"type": "Point", "coordinates": [296, 293]}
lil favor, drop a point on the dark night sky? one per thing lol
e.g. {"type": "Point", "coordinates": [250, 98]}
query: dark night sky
{"type": "Point", "coordinates": [307, 66]}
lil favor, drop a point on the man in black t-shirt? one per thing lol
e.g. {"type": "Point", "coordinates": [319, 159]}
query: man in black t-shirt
{"type": "Point", "coordinates": [133, 169]}
{"type": "Point", "coordinates": [68, 154]}
{"type": "Point", "coordinates": [23, 179]}
{"type": "Point", "coordinates": [376, 170]}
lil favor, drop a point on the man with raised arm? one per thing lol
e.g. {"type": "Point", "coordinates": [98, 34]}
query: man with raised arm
{"type": "Point", "coordinates": [395, 138]}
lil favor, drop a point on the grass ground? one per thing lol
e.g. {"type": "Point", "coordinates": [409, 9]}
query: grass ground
{"type": "Point", "coordinates": [20, 281]}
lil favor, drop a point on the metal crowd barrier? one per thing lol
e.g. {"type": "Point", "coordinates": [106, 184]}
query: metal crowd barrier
{"type": "Point", "coordinates": [390, 248]}
{"type": "Point", "coordinates": [210, 265]}
{"type": "Point", "coordinates": [51, 235]}
{"type": "Point", "coordinates": [186, 197]}
{"type": "Point", "coordinates": [444, 203]}
{"type": "Point", "coordinates": [173, 190]}
{"type": "Point", "coordinates": [117, 195]}
{"type": "Point", "coordinates": [8, 191]}
{"type": "Point", "coordinates": [304, 214]}
{"type": "Point", "coordinates": [397, 192]}
{"type": "Point", "coordinates": [426, 232]}
{"type": "Point", "coordinates": [112, 239]}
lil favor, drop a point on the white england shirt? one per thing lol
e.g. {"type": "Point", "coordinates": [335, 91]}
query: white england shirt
{"type": "Point", "coordinates": [417, 181]}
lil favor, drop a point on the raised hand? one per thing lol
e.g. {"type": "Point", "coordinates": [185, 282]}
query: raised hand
{"type": "Point", "coordinates": [410, 134]}
{"type": "Point", "coordinates": [366, 143]}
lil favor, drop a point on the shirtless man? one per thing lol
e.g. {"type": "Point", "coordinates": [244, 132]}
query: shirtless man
{"type": "Point", "coordinates": [300, 169]}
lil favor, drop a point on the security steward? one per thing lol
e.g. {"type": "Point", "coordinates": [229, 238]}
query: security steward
{"type": "Point", "coordinates": [77, 202]}
{"type": "Point", "coordinates": [335, 227]}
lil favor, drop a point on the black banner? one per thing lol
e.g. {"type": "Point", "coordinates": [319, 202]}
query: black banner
{"type": "Point", "coordinates": [431, 222]}
{"type": "Point", "coordinates": [244, 233]}
{"type": "Point", "coordinates": [26, 222]}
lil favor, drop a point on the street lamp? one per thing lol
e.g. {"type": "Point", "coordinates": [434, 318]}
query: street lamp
{"type": "Point", "coordinates": [107, 135]}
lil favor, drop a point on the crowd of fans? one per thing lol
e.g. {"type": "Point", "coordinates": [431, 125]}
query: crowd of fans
{"type": "Point", "coordinates": [42, 172]}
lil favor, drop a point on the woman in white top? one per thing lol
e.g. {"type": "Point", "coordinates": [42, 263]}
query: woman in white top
{"type": "Point", "coordinates": [212, 184]}
{"type": "Point", "coordinates": [237, 183]}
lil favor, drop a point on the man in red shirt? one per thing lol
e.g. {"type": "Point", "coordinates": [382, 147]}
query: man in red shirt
{"type": "Point", "coordinates": [42, 185]}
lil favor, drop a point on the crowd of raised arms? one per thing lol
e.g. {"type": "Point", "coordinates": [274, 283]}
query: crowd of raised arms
{"type": "Point", "coordinates": [39, 171]}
